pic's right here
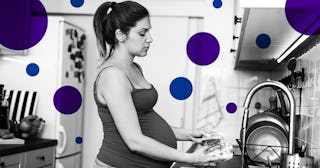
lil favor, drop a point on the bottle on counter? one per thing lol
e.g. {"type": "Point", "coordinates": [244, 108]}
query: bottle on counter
{"type": "Point", "coordinates": [4, 110]}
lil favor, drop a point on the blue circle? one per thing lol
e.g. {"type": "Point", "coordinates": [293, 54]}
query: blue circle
{"type": "Point", "coordinates": [263, 40]}
{"type": "Point", "coordinates": [231, 107]}
{"type": "Point", "coordinates": [217, 3]}
{"type": "Point", "coordinates": [78, 140]}
{"type": "Point", "coordinates": [32, 69]}
{"type": "Point", "coordinates": [77, 3]}
{"type": "Point", "coordinates": [180, 88]}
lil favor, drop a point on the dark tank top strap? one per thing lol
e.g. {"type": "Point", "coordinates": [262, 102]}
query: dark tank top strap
{"type": "Point", "coordinates": [98, 77]}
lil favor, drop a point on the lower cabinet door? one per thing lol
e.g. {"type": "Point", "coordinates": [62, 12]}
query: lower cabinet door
{"type": "Point", "coordinates": [14, 166]}
{"type": "Point", "coordinates": [39, 158]}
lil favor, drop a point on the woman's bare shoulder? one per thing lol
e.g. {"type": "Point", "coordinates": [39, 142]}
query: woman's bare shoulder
{"type": "Point", "coordinates": [112, 77]}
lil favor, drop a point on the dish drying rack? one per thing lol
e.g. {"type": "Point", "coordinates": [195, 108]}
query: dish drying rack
{"type": "Point", "coordinates": [253, 162]}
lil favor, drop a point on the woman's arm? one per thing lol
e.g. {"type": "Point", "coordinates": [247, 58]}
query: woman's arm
{"type": "Point", "coordinates": [187, 134]}
{"type": "Point", "coordinates": [114, 89]}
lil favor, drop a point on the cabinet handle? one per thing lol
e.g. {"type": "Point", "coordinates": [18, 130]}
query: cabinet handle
{"type": "Point", "coordinates": [234, 37]}
{"type": "Point", "coordinates": [237, 20]}
{"type": "Point", "coordinates": [232, 50]}
{"type": "Point", "coordinates": [42, 158]}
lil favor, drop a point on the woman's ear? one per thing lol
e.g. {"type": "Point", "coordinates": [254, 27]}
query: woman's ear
{"type": "Point", "coordinates": [120, 36]}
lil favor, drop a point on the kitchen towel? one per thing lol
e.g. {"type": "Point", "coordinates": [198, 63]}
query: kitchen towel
{"type": "Point", "coordinates": [22, 103]}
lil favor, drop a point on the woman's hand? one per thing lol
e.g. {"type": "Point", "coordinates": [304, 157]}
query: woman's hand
{"type": "Point", "coordinates": [196, 136]}
{"type": "Point", "coordinates": [203, 158]}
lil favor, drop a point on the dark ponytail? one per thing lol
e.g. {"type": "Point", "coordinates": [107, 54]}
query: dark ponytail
{"type": "Point", "coordinates": [111, 16]}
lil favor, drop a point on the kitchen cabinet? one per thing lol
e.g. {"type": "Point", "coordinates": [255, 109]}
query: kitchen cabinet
{"type": "Point", "coordinates": [10, 161]}
{"type": "Point", "coordinates": [36, 159]}
{"type": "Point", "coordinates": [273, 23]}
{"type": "Point", "coordinates": [262, 3]}
{"type": "Point", "coordinates": [37, 154]}
{"type": "Point", "coordinates": [40, 157]}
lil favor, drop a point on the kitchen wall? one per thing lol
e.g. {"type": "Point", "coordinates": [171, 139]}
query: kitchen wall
{"type": "Point", "coordinates": [309, 106]}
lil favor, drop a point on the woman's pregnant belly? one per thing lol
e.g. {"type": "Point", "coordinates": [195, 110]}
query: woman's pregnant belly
{"type": "Point", "coordinates": [154, 126]}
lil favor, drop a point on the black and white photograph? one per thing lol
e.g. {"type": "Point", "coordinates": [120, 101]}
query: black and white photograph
{"type": "Point", "coordinates": [160, 84]}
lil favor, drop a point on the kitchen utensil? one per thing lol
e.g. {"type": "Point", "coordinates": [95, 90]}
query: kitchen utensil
{"type": "Point", "coordinates": [267, 117]}
{"type": "Point", "coordinates": [266, 137]}
{"type": "Point", "coordinates": [292, 66]}
{"type": "Point", "coordinates": [296, 161]}
{"type": "Point", "coordinates": [266, 142]}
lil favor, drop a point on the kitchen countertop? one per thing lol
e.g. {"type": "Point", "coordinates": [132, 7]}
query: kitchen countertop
{"type": "Point", "coordinates": [32, 144]}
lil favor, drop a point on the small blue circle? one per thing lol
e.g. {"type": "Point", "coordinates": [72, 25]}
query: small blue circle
{"type": "Point", "coordinates": [78, 140]}
{"type": "Point", "coordinates": [180, 88]}
{"type": "Point", "coordinates": [217, 3]}
{"type": "Point", "coordinates": [231, 107]}
{"type": "Point", "coordinates": [263, 40]}
{"type": "Point", "coordinates": [32, 69]}
{"type": "Point", "coordinates": [77, 3]}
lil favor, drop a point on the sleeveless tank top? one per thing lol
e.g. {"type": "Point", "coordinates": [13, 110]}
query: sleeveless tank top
{"type": "Point", "coordinates": [114, 151]}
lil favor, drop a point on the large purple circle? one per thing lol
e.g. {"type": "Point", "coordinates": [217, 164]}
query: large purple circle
{"type": "Point", "coordinates": [203, 48]}
{"type": "Point", "coordinates": [304, 16]}
{"type": "Point", "coordinates": [24, 23]}
{"type": "Point", "coordinates": [67, 100]}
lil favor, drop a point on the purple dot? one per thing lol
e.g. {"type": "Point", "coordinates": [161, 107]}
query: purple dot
{"type": "Point", "coordinates": [231, 108]}
{"type": "Point", "coordinates": [67, 100]}
{"type": "Point", "coordinates": [304, 16]}
{"type": "Point", "coordinates": [24, 23]}
{"type": "Point", "coordinates": [203, 48]}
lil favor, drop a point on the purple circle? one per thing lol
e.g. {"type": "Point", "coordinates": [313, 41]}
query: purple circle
{"type": "Point", "coordinates": [67, 100]}
{"type": "Point", "coordinates": [203, 48]}
{"type": "Point", "coordinates": [24, 23]}
{"type": "Point", "coordinates": [231, 107]}
{"type": "Point", "coordinates": [304, 16]}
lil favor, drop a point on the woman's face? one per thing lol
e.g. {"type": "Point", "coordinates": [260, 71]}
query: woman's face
{"type": "Point", "coordinates": [139, 38]}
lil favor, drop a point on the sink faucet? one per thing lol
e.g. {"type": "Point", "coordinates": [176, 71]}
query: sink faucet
{"type": "Point", "coordinates": [259, 86]}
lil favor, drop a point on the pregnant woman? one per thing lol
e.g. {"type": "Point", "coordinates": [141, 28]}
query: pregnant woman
{"type": "Point", "coordinates": [135, 135]}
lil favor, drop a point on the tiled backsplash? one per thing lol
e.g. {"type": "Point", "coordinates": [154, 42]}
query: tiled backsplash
{"type": "Point", "coordinates": [309, 106]}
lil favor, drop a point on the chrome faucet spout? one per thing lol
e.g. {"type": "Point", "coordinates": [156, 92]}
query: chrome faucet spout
{"type": "Point", "coordinates": [247, 101]}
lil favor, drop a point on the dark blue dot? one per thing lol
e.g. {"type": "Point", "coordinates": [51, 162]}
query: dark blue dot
{"type": "Point", "coordinates": [32, 69]}
{"type": "Point", "coordinates": [78, 140]}
{"type": "Point", "coordinates": [263, 41]}
{"type": "Point", "coordinates": [77, 3]}
{"type": "Point", "coordinates": [180, 88]}
{"type": "Point", "coordinates": [231, 107]}
{"type": "Point", "coordinates": [217, 3]}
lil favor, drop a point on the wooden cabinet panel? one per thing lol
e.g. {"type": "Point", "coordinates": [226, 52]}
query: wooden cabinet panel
{"type": "Point", "coordinates": [14, 166]}
{"type": "Point", "coordinates": [40, 157]}
{"type": "Point", "coordinates": [11, 159]}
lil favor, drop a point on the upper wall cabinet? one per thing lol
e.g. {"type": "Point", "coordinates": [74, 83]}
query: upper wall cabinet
{"type": "Point", "coordinates": [270, 23]}
{"type": "Point", "coordinates": [262, 3]}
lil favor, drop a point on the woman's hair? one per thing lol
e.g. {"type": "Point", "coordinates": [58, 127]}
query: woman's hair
{"type": "Point", "coordinates": [111, 16]}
